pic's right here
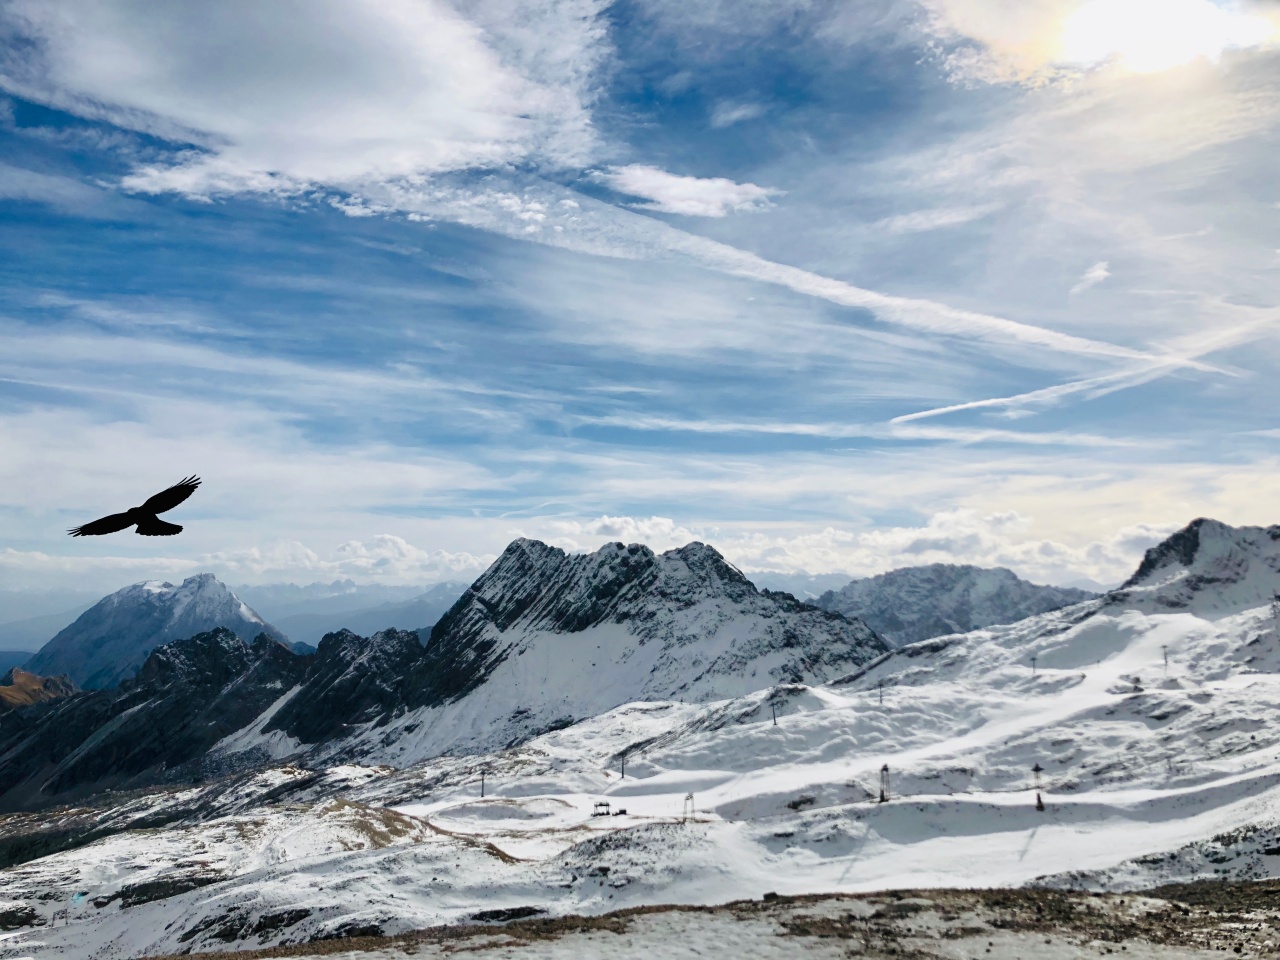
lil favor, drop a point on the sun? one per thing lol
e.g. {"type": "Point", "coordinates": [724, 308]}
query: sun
{"type": "Point", "coordinates": [1151, 35]}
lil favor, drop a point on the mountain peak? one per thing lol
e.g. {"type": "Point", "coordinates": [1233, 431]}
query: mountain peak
{"type": "Point", "coordinates": [561, 635]}
{"type": "Point", "coordinates": [1241, 565]}
{"type": "Point", "coordinates": [111, 639]}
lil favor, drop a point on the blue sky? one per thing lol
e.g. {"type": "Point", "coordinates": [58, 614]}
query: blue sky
{"type": "Point", "coordinates": [837, 287]}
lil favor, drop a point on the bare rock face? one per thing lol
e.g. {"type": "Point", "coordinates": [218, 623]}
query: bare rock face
{"type": "Point", "coordinates": [18, 688]}
{"type": "Point", "coordinates": [917, 603]}
{"type": "Point", "coordinates": [544, 638]}
{"type": "Point", "coordinates": [111, 640]}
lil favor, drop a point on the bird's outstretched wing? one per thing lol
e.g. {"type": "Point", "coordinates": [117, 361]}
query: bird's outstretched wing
{"type": "Point", "coordinates": [168, 499]}
{"type": "Point", "coordinates": [96, 528]}
{"type": "Point", "coordinates": [155, 527]}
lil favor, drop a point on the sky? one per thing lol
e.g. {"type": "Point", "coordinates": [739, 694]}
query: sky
{"type": "Point", "coordinates": [836, 287]}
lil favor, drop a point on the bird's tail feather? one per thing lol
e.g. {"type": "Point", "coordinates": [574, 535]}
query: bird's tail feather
{"type": "Point", "coordinates": [155, 527]}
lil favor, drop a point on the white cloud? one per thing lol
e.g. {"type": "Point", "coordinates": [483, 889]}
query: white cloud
{"type": "Point", "coordinates": [530, 210]}
{"type": "Point", "coordinates": [727, 113]}
{"type": "Point", "coordinates": [921, 221]}
{"type": "Point", "coordinates": [1092, 277]}
{"type": "Point", "coordinates": [1151, 35]}
{"type": "Point", "coordinates": [382, 558]}
{"type": "Point", "coordinates": [953, 536]}
{"type": "Point", "coordinates": [19, 183]}
{"type": "Point", "coordinates": [690, 196]}
{"type": "Point", "coordinates": [896, 430]}
{"type": "Point", "coordinates": [280, 96]}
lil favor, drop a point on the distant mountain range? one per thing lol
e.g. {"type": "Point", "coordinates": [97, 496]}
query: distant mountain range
{"type": "Point", "coordinates": [419, 613]}
{"type": "Point", "coordinates": [916, 603]}
{"type": "Point", "coordinates": [14, 658]}
{"type": "Point", "coordinates": [276, 601]}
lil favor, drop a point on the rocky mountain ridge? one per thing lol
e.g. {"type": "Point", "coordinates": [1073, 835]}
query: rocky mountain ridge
{"type": "Point", "coordinates": [916, 603]}
{"type": "Point", "coordinates": [188, 695]}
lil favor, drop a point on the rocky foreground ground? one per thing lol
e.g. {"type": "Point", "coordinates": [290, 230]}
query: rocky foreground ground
{"type": "Point", "coordinates": [1184, 920]}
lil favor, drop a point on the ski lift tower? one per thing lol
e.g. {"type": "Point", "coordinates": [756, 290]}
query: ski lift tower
{"type": "Point", "coordinates": [884, 784]}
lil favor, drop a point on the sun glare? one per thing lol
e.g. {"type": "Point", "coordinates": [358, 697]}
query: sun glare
{"type": "Point", "coordinates": [1151, 35]}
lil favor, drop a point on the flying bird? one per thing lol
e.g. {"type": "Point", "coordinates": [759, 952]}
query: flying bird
{"type": "Point", "coordinates": [149, 525]}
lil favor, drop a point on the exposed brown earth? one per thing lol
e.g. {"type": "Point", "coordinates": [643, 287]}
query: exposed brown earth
{"type": "Point", "coordinates": [1175, 921]}
{"type": "Point", "coordinates": [19, 688]}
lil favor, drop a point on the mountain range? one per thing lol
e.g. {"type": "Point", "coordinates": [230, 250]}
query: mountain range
{"type": "Point", "coordinates": [916, 603]}
{"type": "Point", "coordinates": [1142, 721]}
{"type": "Point", "coordinates": [542, 640]}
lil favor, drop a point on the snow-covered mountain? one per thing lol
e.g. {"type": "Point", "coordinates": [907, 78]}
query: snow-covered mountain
{"type": "Point", "coordinates": [916, 603]}
{"type": "Point", "coordinates": [188, 695]}
{"type": "Point", "coordinates": [109, 641]}
{"type": "Point", "coordinates": [1148, 772]}
{"type": "Point", "coordinates": [543, 639]}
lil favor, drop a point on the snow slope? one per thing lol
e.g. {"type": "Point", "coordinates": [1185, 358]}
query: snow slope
{"type": "Point", "coordinates": [1151, 769]}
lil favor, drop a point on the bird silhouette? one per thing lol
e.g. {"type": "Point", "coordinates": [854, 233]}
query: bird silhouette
{"type": "Point", "coordinates": [149, 525]}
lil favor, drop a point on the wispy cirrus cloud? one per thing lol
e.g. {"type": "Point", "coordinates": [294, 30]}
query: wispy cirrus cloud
{"type": "Point", "coordinates": [921, 221]}
{"type": "Point", "coordinates": [727, 113]}
{"type": "Point", "coordinates": [1092, 277]}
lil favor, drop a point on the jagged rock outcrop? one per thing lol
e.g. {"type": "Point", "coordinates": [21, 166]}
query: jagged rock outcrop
{"type": "Point", "coordinates": [18, 688]}
{"type": "Point", "coordinates": [916, 603]}
{"type": "Point", "coordinates": [188, 695]}
{"type": "Point", "coordinates": [353, 680]}
{"type": "Point", "coordinates": [703, 622]}
{"type": "Point", "coordinates": [111, 640]}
